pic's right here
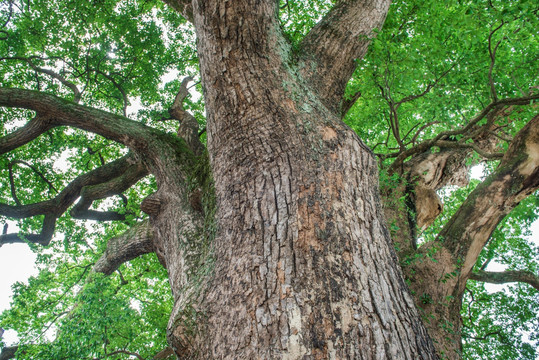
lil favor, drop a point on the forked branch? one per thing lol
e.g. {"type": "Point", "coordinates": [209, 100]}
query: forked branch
{"type": "Point", "coordinates": [108, 179]}
{"type": "Point", "coordinates": [436, 141]}
{"type": "Point", "coordinates": [333, 47]}
{"type": "Point", "coordinates": [516, 177]}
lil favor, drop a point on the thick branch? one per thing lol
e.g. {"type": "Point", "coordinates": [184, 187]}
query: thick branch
{"type": "Point", "coordinates": [164, 354]}
{"type": "Point", "coordinates": [333, 46]}
{"type": "Point", "coordinates": [35, 127]}
{"type": "Point", "coordinates": [517, 176]}
{"type": "Point", "coordinates": [506, 277]}
{"type": "Point", "coordinates": [71, 192]}
{"type": "Point", "coordinates": [474, 147]}
{"type": "Point", "coordinates": [117, 86]}
{"type": "Point", "coordinates": [135, 242]}
{"type": "Point", "coordinates": [43, 238]}
{"type": "Point", "coordinates": [8, 352]}
{"type": "Point", "coordinates": [62, 112]}
{"type": "Point", "coordinates": [188, 129]}
{"type": "Point", "coordinates": [348, 103]}
{"type": "Point", "coordinates": [115, 186]}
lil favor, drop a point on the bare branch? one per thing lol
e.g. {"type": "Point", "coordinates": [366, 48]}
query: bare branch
{"type": "Point", "coordinates": [43, 238]}
{"type": "Point", "coordinates": [427, 144]}
{"type": "Point", "coordinates": [492, 53]}
{"type": "Point", "coordinates": [474, 147]}
{"type": "Point", "coordinates": [188, 129]}
{"type": "Point", "coordinates": [177, 110]}
{"type": "Point", "coordinates": [486, 336]}
{"type": "Point", "coordinates": [418, 132]}
{"type": "Point", "coordinates": [12, 181]}
{"type": "Point", "coordinates": [12, 185]}
{"type": "Point", "coordinates": [117, 86]}
{"type": "Point", "coordinates": [506, 277]}
{"type": "Point", "coordinates": [333, 47]}
{"type": "Point", "coordinates": [429, 87]}
{"type": "Point", "coordinates": [348, 103]}
{"type": "Point", "coordinates": [103, 190]}
{"type": "Point", "coordinates": [136, 241]}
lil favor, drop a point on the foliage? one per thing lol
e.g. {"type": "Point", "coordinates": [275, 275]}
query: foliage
{"type": "Point", "coordinates": [501, 324]}
{"type": "Point", "coordinates": [450, 55]}
{"type": "Point", "coordinates": [129, 57]}
{"type": "Point", "coordinates": [68, 312]}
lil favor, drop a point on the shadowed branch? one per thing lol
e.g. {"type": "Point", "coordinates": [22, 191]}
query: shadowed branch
{"type": "Point", "coordinates": [136, 241]}
{"type": "Point", "coordinates": [109, 179]}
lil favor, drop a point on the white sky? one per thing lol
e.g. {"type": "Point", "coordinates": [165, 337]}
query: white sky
{"type": "Point", "coordinates": [17, 263]}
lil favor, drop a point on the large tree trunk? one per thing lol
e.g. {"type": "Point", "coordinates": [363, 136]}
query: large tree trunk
{"type": "Point", "coordinates": [304, 266]}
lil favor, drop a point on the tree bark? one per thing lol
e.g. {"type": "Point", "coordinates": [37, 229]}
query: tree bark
{"type": "Point", "coordinates": [303, 265]}
{"type": "Point", "coordinates": [506, 277]}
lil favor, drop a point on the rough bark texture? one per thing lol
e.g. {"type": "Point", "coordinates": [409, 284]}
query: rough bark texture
{"type": "Point", "coordinates": [506, 277]}
{"type": "Point", "coordinates": [8, 352]}
{"type": "Point", "coordinates": [135, 242]}
{"type": "Point", "coordinates": [303, 262]}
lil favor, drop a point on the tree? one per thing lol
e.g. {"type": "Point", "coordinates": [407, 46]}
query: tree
{"type": "Point", "coordinates": [263, 205]}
